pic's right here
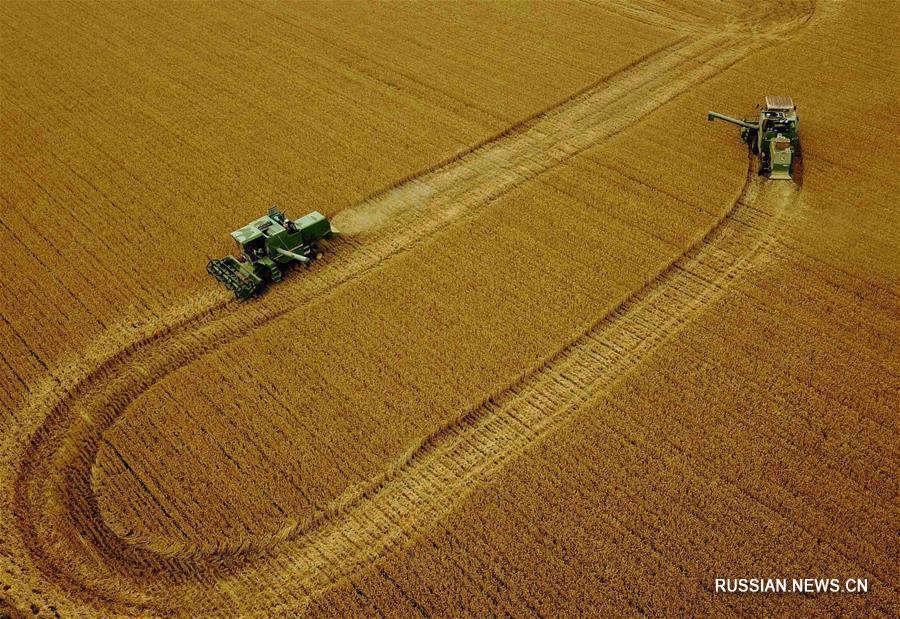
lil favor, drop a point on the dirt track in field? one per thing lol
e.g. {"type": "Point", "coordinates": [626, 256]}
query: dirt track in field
{"type": "Point", "coordinates": [58, 521]}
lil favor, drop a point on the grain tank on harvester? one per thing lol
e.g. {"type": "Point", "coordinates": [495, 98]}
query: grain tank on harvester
{"type": "Point", "coordinates": [268, 245]}
{"type": "Point", "coordinates": [772, 136]}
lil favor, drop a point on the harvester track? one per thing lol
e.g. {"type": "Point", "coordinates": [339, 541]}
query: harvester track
{"type": "Point", "coordinates": [81, 561]}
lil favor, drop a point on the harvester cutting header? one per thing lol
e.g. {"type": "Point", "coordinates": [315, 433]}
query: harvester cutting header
{"type": "Point", "coordinates": [268, 245]}
{"type": "Point", "coordinates": [772, 136]}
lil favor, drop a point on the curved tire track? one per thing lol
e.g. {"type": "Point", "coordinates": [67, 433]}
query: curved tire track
{"type": "Point", "coordinates": [53, 507]}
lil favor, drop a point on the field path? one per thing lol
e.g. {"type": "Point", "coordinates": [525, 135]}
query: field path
{"type": "Point", "coordinates": [58, 528]}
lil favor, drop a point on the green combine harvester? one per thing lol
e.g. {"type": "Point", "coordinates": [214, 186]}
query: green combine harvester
{"type": "Point", "coordinates": [772, 136]}
{"type": "Point", "coordinates": [267, 246]}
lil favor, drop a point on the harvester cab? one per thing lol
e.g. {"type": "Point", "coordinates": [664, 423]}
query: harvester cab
{"type": "Point", "coordinates": [267, 246]}
{"type": "Point", "coordinates": [772, 135]}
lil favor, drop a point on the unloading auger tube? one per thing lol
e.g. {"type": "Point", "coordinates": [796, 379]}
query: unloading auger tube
{"type": "Point", "coordinates": [266, 247]}
{"type": "Point", "coordinates": [737, 121]}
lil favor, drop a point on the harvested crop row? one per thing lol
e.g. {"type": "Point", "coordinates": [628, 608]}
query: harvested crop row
{"type": "Point", "coordinates": [544, 227]}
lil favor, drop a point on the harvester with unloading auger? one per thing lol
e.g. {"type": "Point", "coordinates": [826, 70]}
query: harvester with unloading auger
{"type": "Point", "coordinates": [772, 136]}
{"type": "Point", "coordinates": [266, 247]}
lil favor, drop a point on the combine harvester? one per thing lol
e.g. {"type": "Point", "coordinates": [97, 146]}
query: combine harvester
{"type": "Point", "coordinates": [773, 136]}
{"type": "Point", "coordinates": [268, 245]}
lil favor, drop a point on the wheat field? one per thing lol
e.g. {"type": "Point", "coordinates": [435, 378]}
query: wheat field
{"type": "Point", "coordinates": [570, 355]}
